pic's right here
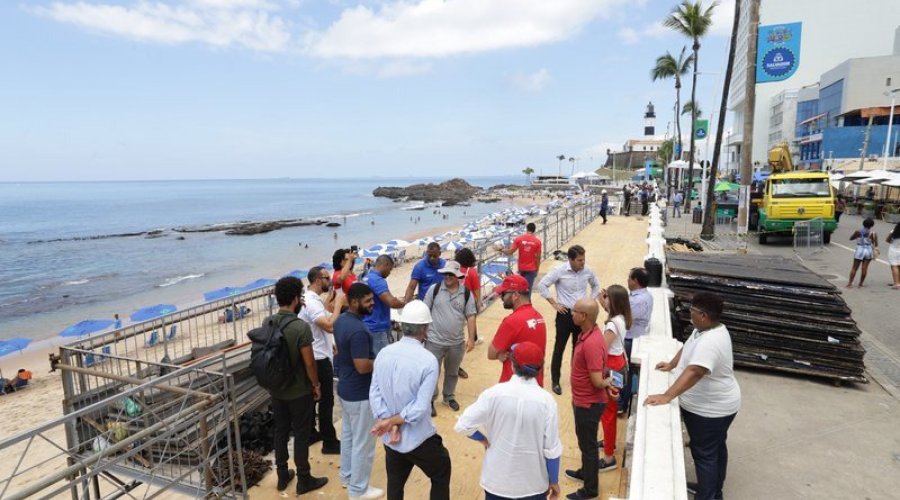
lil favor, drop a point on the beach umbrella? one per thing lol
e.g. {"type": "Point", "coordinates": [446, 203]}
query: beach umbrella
{"type": "Point", "coordinates": [399, 243]}
{"type": "Point", "coordinates": [221, 293]}
{"type": "Point", "coordinates": [86, 327]}
{"type": "Point", "coordinates": [10, 346]}
{"type": "Point", "coordinates": [725, 186]}
{"type": "Point", "coordinates": [150, 312]}
{"type": "Point", "coordinates": [298, 273]}
{"type": "Point", "coordinates": [260, 283]}
{"type": "Point", "coordinates": [452, 246]}
{"type": "Point", "coordinates": [370, 254]}
{"type": "Point", "coordinates": [326, 265]}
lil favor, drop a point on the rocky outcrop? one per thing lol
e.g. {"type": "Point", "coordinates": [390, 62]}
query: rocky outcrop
{"type": "Point", "coordinates": [250, 228]}
{"type": "Point", "coordinates": [451, 192]}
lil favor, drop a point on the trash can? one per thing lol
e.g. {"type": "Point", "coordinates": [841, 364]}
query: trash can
{"type": "Point", "coordinates": [654, 271]}
{"type": "Point", "coordinates": [697, 215]}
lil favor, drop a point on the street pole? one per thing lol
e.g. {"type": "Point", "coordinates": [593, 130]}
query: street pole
{"type": "Point", "coordinates": [746, 165]}
{"type": "Point", "coordinates": [887, 141]}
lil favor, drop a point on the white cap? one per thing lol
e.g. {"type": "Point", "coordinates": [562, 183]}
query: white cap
{"type": "Point", "coordinates": [416, 313]}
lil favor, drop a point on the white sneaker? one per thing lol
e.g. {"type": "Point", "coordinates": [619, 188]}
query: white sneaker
{"type": "Point", "coordinates": [479, 341]}
{"type": "Point", "coordinates": [370, 494]}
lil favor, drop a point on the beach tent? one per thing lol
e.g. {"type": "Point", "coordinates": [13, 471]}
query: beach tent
{"type": "Point", "coordinates": [150, 312]}
{"type": "Point", "coordinates": [221, 293]}
{"type": "Point", "coordinates": [452, 246]}
{"type": "Point", "coordinates": [9, 346]}
{"type": "Point", "coordinates": [86, 327]}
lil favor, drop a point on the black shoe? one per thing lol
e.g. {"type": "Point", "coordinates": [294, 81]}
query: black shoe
{"type": "Point", "coordinates": [452, 404]}
{"type": "Point", "coordinates": [433, 411]}
{"type": "Point", "coordinates": [314, 438]}
{"type": "Point", "coordinates": [604, 466]}
{"type": "Point", "coordinates": [331, 447]}
{"type": "Point", "coordinates": [310, 483]}
{"type": "Point", "coordinates": [285, 479]}
{"type": "Point", "coordinates": [692, 487]}
{"type": "Point", "coordinates": [581, 495]}
{"type": "Point", "coordinates": [599, 443]}
{"type": "Point", "coordinates": [575, 474]}
{"type": "Point", "coordinates": [462, 373]}
{"type": "Point", "coordinates": [557, 389]}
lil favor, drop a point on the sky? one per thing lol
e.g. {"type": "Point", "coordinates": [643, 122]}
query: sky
{"type": "Point", "coordinates": [222, 89]}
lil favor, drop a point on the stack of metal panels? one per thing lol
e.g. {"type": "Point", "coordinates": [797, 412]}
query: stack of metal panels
{"type": "Point", "coordinates": [781, 316]}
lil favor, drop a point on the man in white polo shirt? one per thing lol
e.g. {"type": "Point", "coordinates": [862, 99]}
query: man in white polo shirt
{"type": "Point", "coordinates": [708, 393]}
{"type": "Point", "coordinates": [315, 313]}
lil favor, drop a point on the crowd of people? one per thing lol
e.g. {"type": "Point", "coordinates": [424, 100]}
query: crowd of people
{"type": "Point", "coordinates": [390, 374]}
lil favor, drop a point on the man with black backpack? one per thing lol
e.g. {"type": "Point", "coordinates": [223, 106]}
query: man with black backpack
{"type": "Point", "coordinates": [283, 362]}
{"type": "Point", "coordinates": [453, 312]}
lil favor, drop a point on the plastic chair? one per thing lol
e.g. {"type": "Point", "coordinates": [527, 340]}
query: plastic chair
{"type": "Point", "coordinates": [154, 339]}
{"type": "Point", "coordinates": [172, 332]}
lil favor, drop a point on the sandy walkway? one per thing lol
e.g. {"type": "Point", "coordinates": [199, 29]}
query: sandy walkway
{"type": "Point", "coordinates": [612, 250]}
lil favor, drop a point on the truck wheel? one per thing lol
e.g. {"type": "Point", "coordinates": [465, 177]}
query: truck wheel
{"type": "Point", "coordinates": [763, 238]}
{"type": "Point", "coordinates": [826, 238]}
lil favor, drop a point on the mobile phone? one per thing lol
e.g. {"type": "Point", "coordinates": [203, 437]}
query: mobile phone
{"type": "Point", "coordinates": [354, 248]}
{"type": "Point", "coordinates": [618, 380]}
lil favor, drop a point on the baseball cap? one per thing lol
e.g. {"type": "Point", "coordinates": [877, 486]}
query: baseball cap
{"type": "Point", "coordinates": [513, 283]}
{"type": "Point", "coordinates": [528, 354]}
{"type": "Point", "coordinates": [451, 267]}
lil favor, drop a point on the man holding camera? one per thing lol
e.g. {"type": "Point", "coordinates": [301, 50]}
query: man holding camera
{"type": "Point", "coordinates": [342, 260]}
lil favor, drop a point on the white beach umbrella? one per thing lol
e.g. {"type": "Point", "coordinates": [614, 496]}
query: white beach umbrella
{"type": "Point", "coordinates": [399, 243]}
{"type": "Point", "coordinates": [452, 246]}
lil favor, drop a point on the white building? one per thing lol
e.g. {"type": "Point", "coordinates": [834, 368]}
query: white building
{"type": "Point", "coordinates": [832, 32]}
{"type": "Point", "coordinates": [782, 118]}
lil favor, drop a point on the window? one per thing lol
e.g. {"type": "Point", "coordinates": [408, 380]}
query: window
{"type": "Point", "coordinates": [800, 188]}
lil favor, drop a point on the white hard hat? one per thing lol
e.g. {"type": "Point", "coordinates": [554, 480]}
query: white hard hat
{"type": "Point", "coordinates": [416, 313]}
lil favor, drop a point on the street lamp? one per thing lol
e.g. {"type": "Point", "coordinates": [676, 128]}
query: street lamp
{"type": "Point", "coordinates": [887, 140]}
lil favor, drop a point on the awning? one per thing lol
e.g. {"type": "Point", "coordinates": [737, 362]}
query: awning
{"type": "Point", "coordinates": [812, 118]}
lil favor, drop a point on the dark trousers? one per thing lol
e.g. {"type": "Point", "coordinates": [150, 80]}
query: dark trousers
{"type": "Point", "coordinates": [708, 436]}
{"type": "Point", "coordinates": [603, 214]}
{"type": "Point", "coordinates": [529, 277]}
{"type": "Point", "coordinates": [565, 326]}
{"type": "Point", "coordinates": [490, 496]}
{"type": "Point", "coordinates": [587, 420]}
{"type": "Point", "coordinates": [325, 403]}
{"type": "Point", "coordinates": [431, 456]}
{"type": "Point", "coordinates": [292, 415]}
{"type": "Point", "coordinates": [632, 379]}
{"type": "Point", "coordinates": [645, 207]}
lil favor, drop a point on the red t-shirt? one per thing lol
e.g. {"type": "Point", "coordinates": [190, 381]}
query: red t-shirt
{"type": "Point", "coordinates": [590, 356]}
{"type": "Point", "coordinates": [472, 282]}
{"type": "Point", "coordinates": [524, 324]}
{"type": "Point", "coordinates": [348, 280]}
{"type": "Point", "coordinates": [529, 247]}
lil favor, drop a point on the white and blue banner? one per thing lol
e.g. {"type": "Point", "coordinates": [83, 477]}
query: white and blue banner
{"type": "Point", "coordinates": [778, 52]}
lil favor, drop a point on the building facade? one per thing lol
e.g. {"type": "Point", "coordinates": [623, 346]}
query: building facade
{"type": "Point", "coordinates": [832, 32]}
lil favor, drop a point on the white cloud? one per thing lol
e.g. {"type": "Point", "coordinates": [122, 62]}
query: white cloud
{"type": "Point", "coordinates": [722, 19]}
{"type": "Point", "coordinates": [219, 23]}
{"type": "Point", "coordinates": [631, 36]}
{"type": "Point", "coordinates": [531, 82]}
{"type": "Point", "coordinates": [437, 28]}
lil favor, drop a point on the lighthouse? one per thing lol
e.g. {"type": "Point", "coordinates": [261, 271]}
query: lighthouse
{"type": "Point", "coordinates": [649, 121]}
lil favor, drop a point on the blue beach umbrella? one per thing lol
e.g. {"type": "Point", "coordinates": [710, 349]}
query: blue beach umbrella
{"type": "Point", "coordinates": [326, 265]}
{"type": "Point", "coordinates": [151, 312]}
{"type": "Point", "coordinates": [221, 293]}
{"type": "Point", "coordinates": [10, 346]}
{"type": "Point", "coordinates": [262, 282]}
{"type": "Point", "coordinates": [86, 327]}
{"type": "Point", "coordinates": [298, 273]}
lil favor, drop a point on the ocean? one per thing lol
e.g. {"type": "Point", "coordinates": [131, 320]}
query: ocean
{"type": "Point", "coordinates": [60, 263]}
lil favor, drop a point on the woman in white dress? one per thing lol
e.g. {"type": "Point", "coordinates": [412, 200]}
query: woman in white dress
{"type": "Point", "coordinates": [894, 255]}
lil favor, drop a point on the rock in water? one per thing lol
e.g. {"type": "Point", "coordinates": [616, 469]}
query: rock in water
{"type": "Point", "coordinates": [451, 192]}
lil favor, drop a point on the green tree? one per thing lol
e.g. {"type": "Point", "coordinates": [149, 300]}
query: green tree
{"type": "Point", "coordinates": [666, 149]}
{"type": "Point", "coordinates": [692, 20]}
{"type": "Point", "coordinates": [689, 108]}
{"type": "Point", "coordinates": [667, 66]}
{"type": "Point", "coordinates": [528, 171]}
{"type": "Point", "coordinates": [559, 169]}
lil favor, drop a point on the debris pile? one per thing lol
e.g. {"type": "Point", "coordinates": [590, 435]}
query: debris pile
{"type": "Point", "coordinates": [781, 316]}
{"type": "Point", "coordinates": [257, 431]}
{"type": "Point", "coordinates": [255, 467]}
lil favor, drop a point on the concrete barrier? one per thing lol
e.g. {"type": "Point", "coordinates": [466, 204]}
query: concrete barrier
{"type": "Point", "coordinates": [655, 439]}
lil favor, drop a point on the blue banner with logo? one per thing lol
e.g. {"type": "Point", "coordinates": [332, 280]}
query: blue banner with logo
{"type": "Point", "coordinates": [778, 52]}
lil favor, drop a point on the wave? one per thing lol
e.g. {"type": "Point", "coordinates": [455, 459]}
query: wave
{"type": "Point", "coordinates": [179, 279]}
{"type": "Point", "coordinates": [348, 216]}
{"type": "Point", "coordinates": [76, 282]}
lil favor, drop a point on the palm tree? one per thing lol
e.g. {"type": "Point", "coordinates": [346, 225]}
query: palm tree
{"type": "Point", "coordinates": [667, 66]}
{"type": "Point", "coordinates": [666, 149]}
{"type": "Point", "coordinates": [689, 108]}
{"type": "Point", "coordinates": [559, 169]}
{"type": "Point", "coordinates": [528, 171]}
{"type": "Point", "coordinates": [709, 226]}
{"type": "Point", "coordinates": [692, 20]}
{"type": "Point", "coordinates": [572, 164]}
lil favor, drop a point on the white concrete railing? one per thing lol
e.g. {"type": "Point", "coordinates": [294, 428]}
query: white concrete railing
{"type": "Point", "coordinates": [657, 458]}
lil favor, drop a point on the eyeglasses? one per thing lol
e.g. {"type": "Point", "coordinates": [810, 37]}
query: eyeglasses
{"type": "Point", "coordinates": [698, 310]}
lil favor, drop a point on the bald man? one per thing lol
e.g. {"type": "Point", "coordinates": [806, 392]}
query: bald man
{"type": "Point", "coordinates": [590, 384]}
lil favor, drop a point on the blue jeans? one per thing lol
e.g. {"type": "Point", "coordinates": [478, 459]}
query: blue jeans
{"type": "Point", "coordinates": [380, 340]}
{"type": "Point", "coordinates": [708, 436]}
{"type": "Point", "coordinates": [357, 445]}
{"type": "Point", "coordinates": [529, 276]}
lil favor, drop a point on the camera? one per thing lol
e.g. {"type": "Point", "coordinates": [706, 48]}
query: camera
{"type": "Point", "coordinates": [354, 248]}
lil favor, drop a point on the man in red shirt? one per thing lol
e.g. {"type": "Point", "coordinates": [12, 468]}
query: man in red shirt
{"type": "Point", "coordinates": [524, 324]}
{"type": "Point", "coordinates": [529, 247]}
{"type": "Point", "coordinates": [590, 384]}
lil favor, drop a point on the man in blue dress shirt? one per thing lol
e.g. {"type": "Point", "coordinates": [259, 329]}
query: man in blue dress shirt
{"type": "Point", "coordinates": [400, 395]}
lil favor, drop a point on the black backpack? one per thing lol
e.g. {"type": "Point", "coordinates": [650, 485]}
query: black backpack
{"type": "Point", "coordinates": [437, 287]}
{"type": "Point", "coordinates": [270, 360]}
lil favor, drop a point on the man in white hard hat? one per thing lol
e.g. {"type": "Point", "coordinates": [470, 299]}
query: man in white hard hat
{"type": "Point", "coordinates": [400, 395]}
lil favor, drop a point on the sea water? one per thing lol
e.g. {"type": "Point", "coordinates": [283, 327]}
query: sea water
{"type": "Point", "coordinates": [47, 285]}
